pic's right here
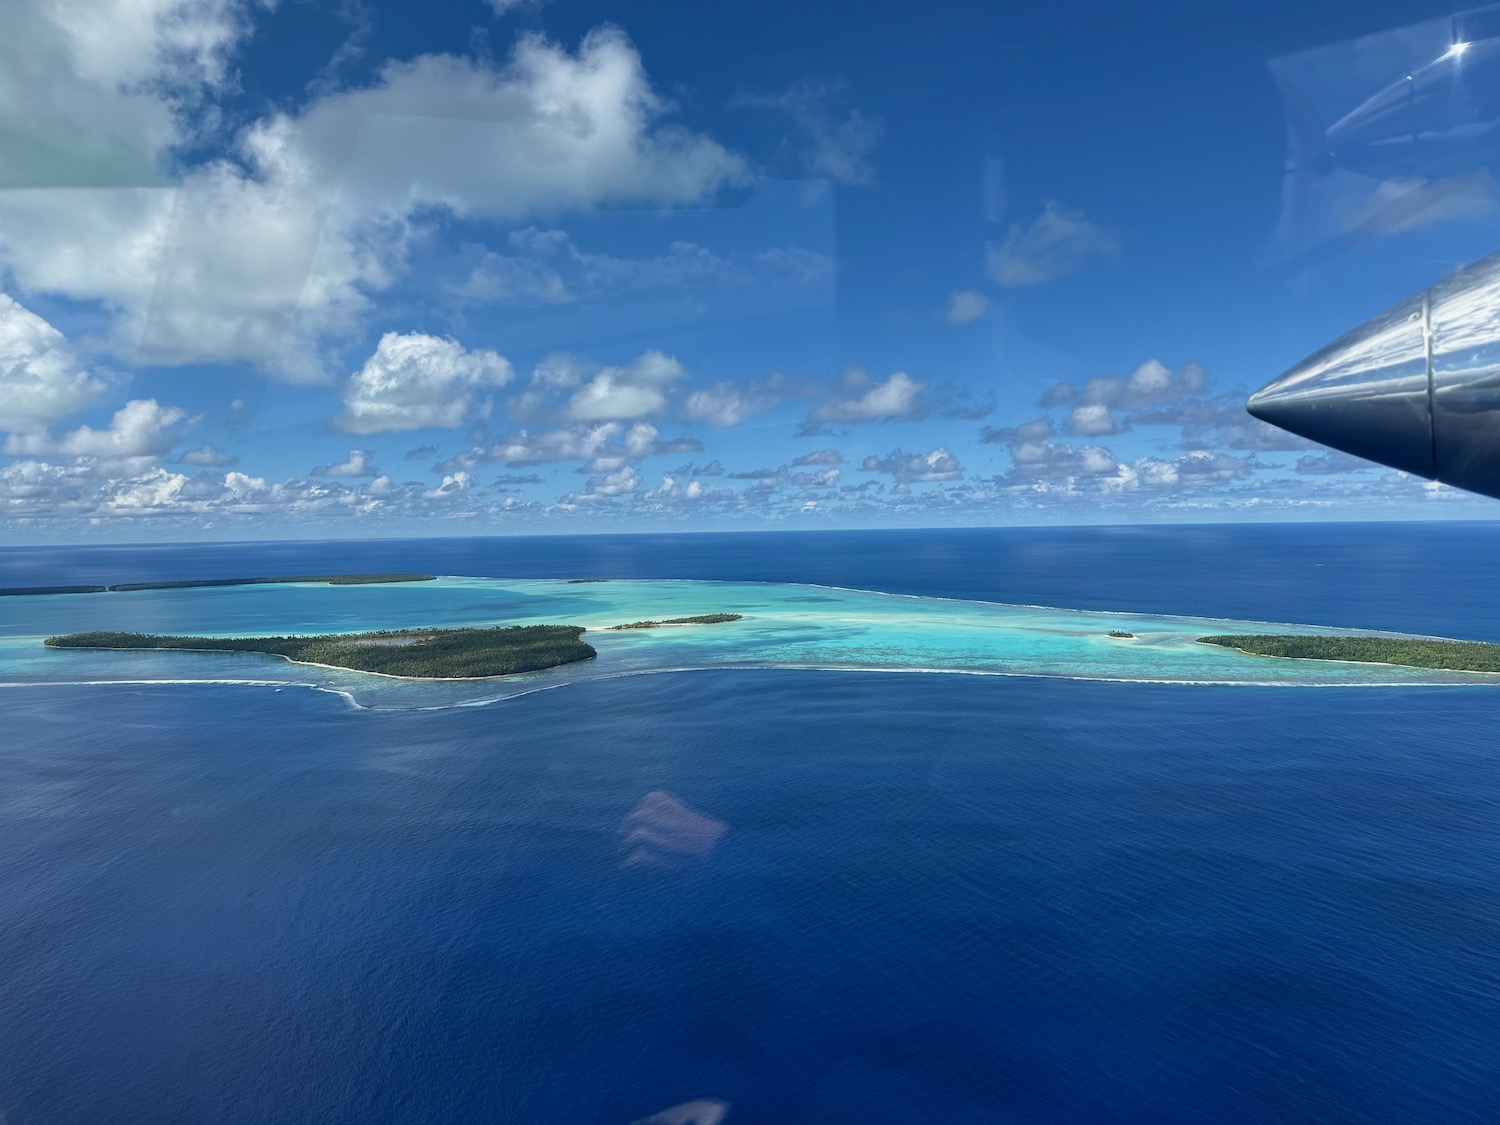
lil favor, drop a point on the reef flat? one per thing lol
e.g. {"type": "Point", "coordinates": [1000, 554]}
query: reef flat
{"type": "Point", "coordinates": [779, 625]}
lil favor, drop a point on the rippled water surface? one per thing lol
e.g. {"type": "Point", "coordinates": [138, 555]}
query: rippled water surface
{"type": "Point", "coordinates": [826, 896]}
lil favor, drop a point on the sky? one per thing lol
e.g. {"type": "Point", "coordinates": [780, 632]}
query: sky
{"type": "Point", "coordinates": [346, 268]}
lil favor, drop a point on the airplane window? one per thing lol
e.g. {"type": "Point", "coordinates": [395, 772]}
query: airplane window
{"type": "Point", "coordinates": [689, 565]}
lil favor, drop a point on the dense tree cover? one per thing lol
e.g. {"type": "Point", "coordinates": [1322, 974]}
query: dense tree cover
{"type": "Point", "coordinates": [1459, 656]}
{"type": "Point", "coordinates": [1121, 633]}
{"type": "Point", "coordinates": [704, 619]}
{"type": "Point", "coordinates": [330, 579]}
{"type": "Point", "coordinates": [585, 581]}
{"type": "Point", "coordinates": [17, 591]}
{"type": "Point", "coordinates": [419, 653]}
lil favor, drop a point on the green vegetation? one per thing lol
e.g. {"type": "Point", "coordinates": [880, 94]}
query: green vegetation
{"type": "Point", "coordinates": [1122, 634]}
{"type": "Point", "coordinates": [416, 653]}
{"type": "Point", "coordinates": [1458, 656]}
{"type": "Point", "coordinates": [331, 579]}
{"type": "Point", "coordinates": [705, 619]}
{"type": "Point", "coordinates": [583, 581]}
{"type": "Point", "coordinates": [18, 591]}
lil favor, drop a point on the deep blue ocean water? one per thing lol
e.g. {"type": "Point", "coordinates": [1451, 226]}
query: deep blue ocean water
{"type": "Point", "coordinates": [873, 898]}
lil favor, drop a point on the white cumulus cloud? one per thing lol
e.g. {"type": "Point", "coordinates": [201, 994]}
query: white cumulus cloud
{"type": "Point", "coordinates": [453, 484]}
{"type": "Point", "coordinates": [634, 391]}
{"type": "Point", "coordinates": [94, 92]}
{"type": "Point", "coordinates": [1151, 383]}
{"type": "Point", "coordinates": [1093, 419]}
{"type": "Point", "coordinates": [263, 254]}
{"type": "Point", "coordinates": [155, 490]}
{"type": "Point", "coordinates": [916, 468]}
{"type": "Point", "coordinates": [898, 398]}
{"type": "Point", "coordinates": [605, 446]}
{"type": "Point", "coordinates": [140, 428]}
{"type": "Point", "coordinates": [361, 463]}
{"type": "Point", "coordinates": [416, 382]}
{"type": "Point", "coordinates": [618, 483]}
{"type": "Point", "coordinates": [41, 381]}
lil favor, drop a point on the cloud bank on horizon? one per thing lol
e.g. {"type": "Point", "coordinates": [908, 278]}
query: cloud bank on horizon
{"type": "Point", "coordinates": [515, 269]}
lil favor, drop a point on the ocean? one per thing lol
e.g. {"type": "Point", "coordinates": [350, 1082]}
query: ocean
{"type": "Point", "coordinates": [803, 895]}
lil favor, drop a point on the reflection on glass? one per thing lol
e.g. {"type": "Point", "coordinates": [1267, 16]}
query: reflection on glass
{"type": "Point", "coordinates": [704, 1112]}
{"type": "Point", "coordinates": [662, 829]}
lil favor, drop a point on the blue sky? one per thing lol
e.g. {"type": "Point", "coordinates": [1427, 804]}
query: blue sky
{"type": "Point", "coordinates": [374, 269]}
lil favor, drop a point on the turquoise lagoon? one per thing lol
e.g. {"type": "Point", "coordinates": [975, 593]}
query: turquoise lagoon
{"type": "Point", "coordinates": [784, 626]}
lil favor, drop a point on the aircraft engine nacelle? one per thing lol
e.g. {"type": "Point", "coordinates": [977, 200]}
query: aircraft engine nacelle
{"type": "Point", "coordinates": [1416, 388]}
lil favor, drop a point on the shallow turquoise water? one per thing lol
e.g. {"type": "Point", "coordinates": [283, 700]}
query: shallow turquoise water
{"type": "Point", "coordinates": [785, 625]}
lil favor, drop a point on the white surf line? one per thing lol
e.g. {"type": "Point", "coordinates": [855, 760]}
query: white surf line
{"type": "Point", "coordinates": [1139, 614]}
{"type": "Point", "coordinates": [813, 614]}
{"type": "Point", "coordinates": [836, 668]}
{"type": "Point", "coordinates": [354, 703]}
{"type": "Point", "coordinates": [347, 696]}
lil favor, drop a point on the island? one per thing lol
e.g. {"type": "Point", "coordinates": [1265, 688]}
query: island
{"type": "Point", "coordinates": [418, 654]}
{"type": "Point", "coordinates": [702, 619]}
{"type": "Point", "coordinates": [329, 579]}
{"type": "Point", "coordinates": [1413, 652]}
{"type": "Point", "coordinates": [1121, 634]}
{"type": "Point", "coordinates": [585, 581]}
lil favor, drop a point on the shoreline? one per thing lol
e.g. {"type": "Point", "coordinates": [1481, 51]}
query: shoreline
{"type": "Point", "coordinates": [1073, 677]}
{"type": "Point", "coordinates": [337, 667]}
{"type": "Point", "coordinates": [1366, 663]}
